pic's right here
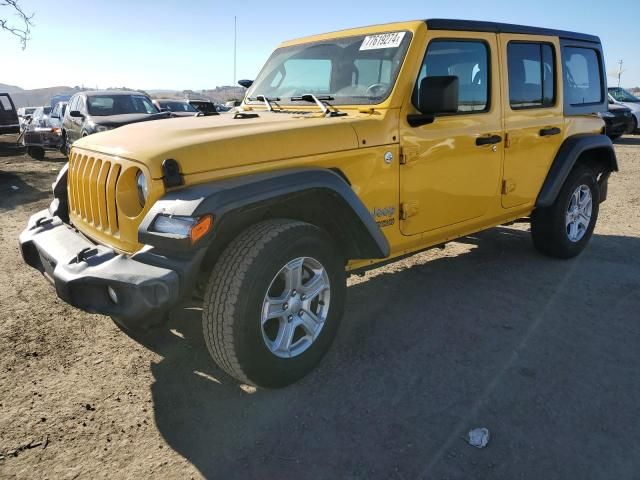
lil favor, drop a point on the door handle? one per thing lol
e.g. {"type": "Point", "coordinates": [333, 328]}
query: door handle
{"type": "Point", "coordinates": [546, 132]}
{"type": "Point", "coordinates": [488, 140]}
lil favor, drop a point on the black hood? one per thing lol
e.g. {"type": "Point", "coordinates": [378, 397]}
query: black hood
{"type": "Point", "coordinates": [114, 121]}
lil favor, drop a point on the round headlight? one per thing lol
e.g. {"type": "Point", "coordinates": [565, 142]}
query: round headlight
{"type": "Point", "coordinates": [143, 188]}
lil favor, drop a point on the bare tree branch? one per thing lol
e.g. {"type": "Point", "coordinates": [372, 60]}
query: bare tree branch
{"type": "Point", "coordinates": [24, 23]}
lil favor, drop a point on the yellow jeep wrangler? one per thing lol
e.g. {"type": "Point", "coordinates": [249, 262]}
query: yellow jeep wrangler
{"type": "Point", "coordinates": [350, 149]}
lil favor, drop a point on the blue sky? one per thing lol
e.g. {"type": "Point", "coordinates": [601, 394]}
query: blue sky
{"type": "Point", "coordinates": [188, 44]}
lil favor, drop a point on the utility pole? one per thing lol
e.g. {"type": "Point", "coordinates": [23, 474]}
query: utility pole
{"type": "Point", "coordinates": [235, 47]}
{"type": "Point", "coordinates": [620, 62]}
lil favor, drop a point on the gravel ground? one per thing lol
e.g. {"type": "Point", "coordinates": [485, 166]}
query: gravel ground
{"type": "Point", "coordinates": [485, 333]}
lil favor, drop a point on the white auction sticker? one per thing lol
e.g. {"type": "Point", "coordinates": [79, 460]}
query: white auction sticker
{"type": "Point", "coordinates": [384, 40]}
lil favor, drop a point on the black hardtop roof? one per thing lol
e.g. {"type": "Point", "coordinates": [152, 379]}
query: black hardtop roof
{"type": "Point", "coordinates": [479, 26]}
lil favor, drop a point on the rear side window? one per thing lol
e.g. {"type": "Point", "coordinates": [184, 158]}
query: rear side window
{"type": "Point", "coordinates": [467, 60]}
{"type": "Point", "coordinates": [532, 75]}
{"type": "Point", "coordinates": [582, 76]}
{"type": "Point", "coordinates": [5, 104]}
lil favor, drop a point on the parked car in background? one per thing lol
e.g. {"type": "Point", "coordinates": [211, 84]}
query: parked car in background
{"type": "Point", "coordinates": [177, 108]}
{"type": "Point", "coordinates": [222, 108]}
{"type": "Point", "coordinates": [618, 121]}
{"type": "Point", "coordinates": [24, 115]}
{"type": "Point", "coordinates": [59, 98]}
{"type": "Point", "coordinates": [41, 134]}
{"type": "Point", "coordinates": [9, 122]}
{"type": "Point", "coordinates": [99, 111]}
{"type": "Point", "coordinates": [627, 99]}
{"type": "Point", "coordinates": [205, 106]}
{"type": "Point", "coordinates": [57, 114]}
{"type": "Point", "coordinates": [44, 132]}
{"type": "Point", "coordinates": [40, 116]}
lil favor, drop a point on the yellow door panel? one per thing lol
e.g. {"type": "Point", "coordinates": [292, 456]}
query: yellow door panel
{"type": "Point", "coordinates": [446, 177]}
{"type": "Point", "coordinates": [534, 129]}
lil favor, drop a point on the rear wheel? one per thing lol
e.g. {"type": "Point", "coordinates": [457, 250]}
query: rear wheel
{"type": "Point", "coordinates": [564, 229]}
{"type": "Point", "coordinates": [37, 153]}
{"type": "Point", "coordinates": [274, 302]}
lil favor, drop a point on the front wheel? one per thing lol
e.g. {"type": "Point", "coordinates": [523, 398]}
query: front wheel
{"type": "Point", "coordinates": [563, 229]}
{"type": "Point", "coordinates": [274, 302]}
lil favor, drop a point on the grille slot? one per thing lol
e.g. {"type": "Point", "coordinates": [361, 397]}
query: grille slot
{"type": "Point", "coordinates": [92, 196]}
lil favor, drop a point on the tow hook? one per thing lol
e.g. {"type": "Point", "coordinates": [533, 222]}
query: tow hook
{"type": "Point", "coordinates": [85, 253]}
{"type": "Point", "coordinates": [42, 221]}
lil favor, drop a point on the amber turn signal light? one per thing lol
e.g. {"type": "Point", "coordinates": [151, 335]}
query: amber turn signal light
{"type": "Point", "coordinates": [201, 228]}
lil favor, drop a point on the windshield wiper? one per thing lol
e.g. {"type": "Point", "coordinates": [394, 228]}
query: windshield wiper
{"type": "Point", "coordinates": [321, 102]}
{"type": "Point", "coordinates": [266, 100]}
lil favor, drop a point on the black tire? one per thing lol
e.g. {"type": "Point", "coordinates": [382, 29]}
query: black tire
{"type": "Point", "coordinates": [236, 290]}
{"type": "Point", "coordinates": [635, 125]}
{"type": "Point", "coordinates": [37, 153]}
{"type": "Point", "coordinates": [548, 225]}
{"type": "Point", "coordinates": [614, 137]}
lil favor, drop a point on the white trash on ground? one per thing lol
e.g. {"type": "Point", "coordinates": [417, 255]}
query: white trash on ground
{"type": "Point", "coordinates": [479, 437]}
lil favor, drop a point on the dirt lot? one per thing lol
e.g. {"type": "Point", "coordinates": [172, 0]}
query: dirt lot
{"type": "Point", "coordinates": [483, 333]}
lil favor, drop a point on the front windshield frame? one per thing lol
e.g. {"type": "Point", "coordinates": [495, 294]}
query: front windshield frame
{"type": "Point", "coordinates": [622, 95]}
{"type": "Point", "coordinates": [279, 57]}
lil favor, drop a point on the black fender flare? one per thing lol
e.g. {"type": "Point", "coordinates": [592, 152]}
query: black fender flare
{"type": "Point", "coordinates": [568, 154]}
{"type": "Point", "coordinates": [236, 202]}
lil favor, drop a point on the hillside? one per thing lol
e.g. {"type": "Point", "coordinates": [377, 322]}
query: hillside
{"type": "Point", "coordinates": [41, 96]}
{"type": "Point", "coordinates": [9, 88]}
{"type": "Point", "coordinates": [38, 96]}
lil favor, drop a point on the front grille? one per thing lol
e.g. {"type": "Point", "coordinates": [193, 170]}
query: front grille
{"type": "Point", "coordinates": [92, 191]}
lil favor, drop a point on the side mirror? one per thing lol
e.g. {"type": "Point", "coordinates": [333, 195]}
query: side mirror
{"type": "Point", "coordinates": [76, 114]}
{"type": "Point", "coordinates": [436, 95]}
{"type": "Point", "coordinates": [245, 83]}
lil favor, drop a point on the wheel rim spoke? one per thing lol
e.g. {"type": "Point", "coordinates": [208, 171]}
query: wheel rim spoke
{"type": "Point", "coordinates": [295, 307]}
{"type": "Point", "coordinates": [314, 287]}
{"type": "Point", "coordinates": [578, 215]}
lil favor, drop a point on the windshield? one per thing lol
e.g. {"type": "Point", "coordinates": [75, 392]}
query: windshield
{"type": "Point", "coordinates": [177, 106]}
{"type": "Point", "coordinates": [621, 95]}
{"type": "Point", "coordinates": [105, 105]}
{"type": "Point", "coordinates": [353, 70]}
{"type": "Point", "coordinates": [29, 111]}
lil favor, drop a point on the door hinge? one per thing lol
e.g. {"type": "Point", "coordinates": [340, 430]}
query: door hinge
{"type": "Point", "coordinates": [408, 209]}
{"type": "Point", "coordinates": [408, 155]}
{"type": "Point", "coordinates": [508, 186]}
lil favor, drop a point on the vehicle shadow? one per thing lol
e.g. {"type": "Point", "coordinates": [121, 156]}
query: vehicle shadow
{"type": "Point", "coordinates": [628, 140]}
{"type": "Point", "coordinates": [14, 190]}
{"type": "Point", "coordinates": [9, 147]}
{"type": "Point", "coordinates": [490, 334]}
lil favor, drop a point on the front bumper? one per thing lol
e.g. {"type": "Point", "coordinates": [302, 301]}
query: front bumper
{"type": "Point", "coordinates": [146, 283]}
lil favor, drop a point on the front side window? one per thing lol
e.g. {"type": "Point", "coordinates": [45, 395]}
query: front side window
{"type": "Point", "coordinates": [467, 60]}
{"type": "Point", "coordinates": [532, 75]}
{"type": "Point", "coordinates": [582, 76]}
{"type": "Point", "coordinates": [359, 70]}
